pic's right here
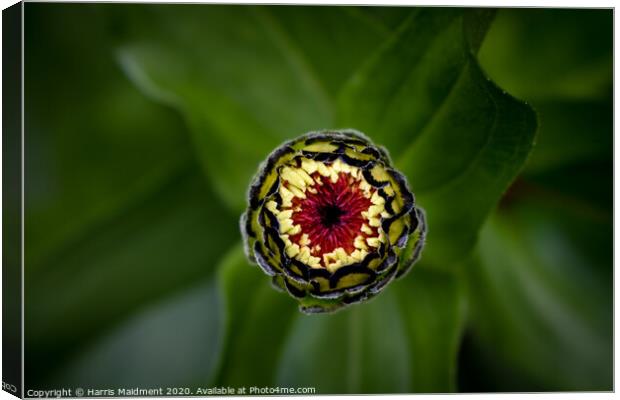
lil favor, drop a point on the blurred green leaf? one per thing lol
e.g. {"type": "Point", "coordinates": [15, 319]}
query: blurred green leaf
{"type": "Point", "coordinates": [94, 143]}
{"type": "Point", "coordinates": [385, 18]}
{"type": "Point", "coordinates": [462, 173]}
{"type": "Point", "coordinates": [160, 244]}
{"type": "Point", "coordinates": [458, 138]}
{"type": "Point", "coordinates": [257, 320]}
{"type": "Point", "coordinates": [399, 89]}
{"type": "Point", "coordinates": [418, 325]}
{"type": "Point", "coordinates": [422, 83]}
{"type": "Point", "coordinates": [357, 350]}
{"type": "Point", "coordinates": [560, 61]}
{"type": "Point", "coordinates": [541, 293]}
{"type": "Point", "coordinates": [226, 107]}
{"type": "Point", "coordinates": [173, 343]}
{"type": "Point", "coordinates": [405, 340]}
{"type": "Point", "coordinates": [115, 217]}
{"type": "Point", "coordinates": [542, 287]}
{"type": "Point", "coordinates": [551, 54]}
{"type": "Point", "coordinates": [350, 31]}
{"type": "Point", "coordinates": [572, 133]}
{"type": "Point", "coordinates": [265, 87]}
{"type": "Point", "coordinates": [587, 186]}
{"type": "Point", "coordinates": [432, 305]}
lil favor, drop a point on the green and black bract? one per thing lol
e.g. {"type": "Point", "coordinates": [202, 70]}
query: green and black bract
{"type": "Point", "coordinates": [331, 221]}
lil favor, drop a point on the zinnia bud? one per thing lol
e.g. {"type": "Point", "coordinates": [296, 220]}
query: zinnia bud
{"type": "Point", "coordinates": [331, 220]}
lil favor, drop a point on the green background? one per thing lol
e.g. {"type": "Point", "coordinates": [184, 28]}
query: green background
{"type": "Point", "coordinates": [145, 123]}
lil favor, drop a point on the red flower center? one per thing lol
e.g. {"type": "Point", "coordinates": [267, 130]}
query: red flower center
{"type": "Point", "coordinates": [331, 215]}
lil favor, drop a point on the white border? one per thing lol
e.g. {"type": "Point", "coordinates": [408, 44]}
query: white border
{"type": "Point", "coordinates": [452, 3]}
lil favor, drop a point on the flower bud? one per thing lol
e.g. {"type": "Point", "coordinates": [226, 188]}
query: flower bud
{"type": "Point", "coordinates": [331, 220]}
